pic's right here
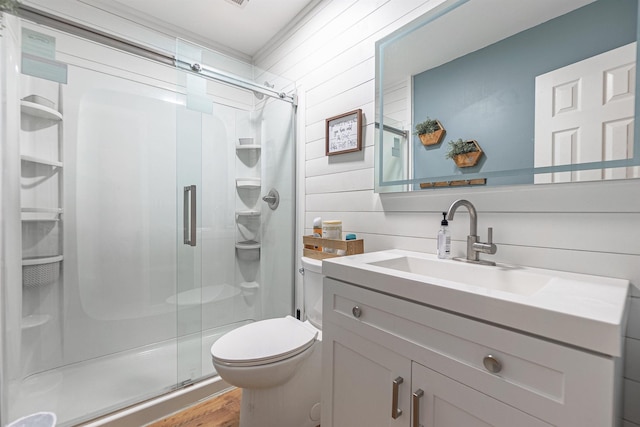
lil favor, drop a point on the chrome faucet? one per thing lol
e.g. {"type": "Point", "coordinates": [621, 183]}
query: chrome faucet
{"type": "Point", "coordinates": [474, 247]}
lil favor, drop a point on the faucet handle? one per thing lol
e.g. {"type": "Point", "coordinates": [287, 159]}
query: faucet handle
{"type": "Point", "coordinates": [488, 247]}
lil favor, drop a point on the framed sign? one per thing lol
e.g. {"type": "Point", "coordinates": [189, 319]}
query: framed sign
{"type": "Point", "coordinates": [344, 133]}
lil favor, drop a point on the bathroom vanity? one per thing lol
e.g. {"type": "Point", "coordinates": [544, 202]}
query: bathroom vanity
{"type": "Point", "coordinates": [410, 340]}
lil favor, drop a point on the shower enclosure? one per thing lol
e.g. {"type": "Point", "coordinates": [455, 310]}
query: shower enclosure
{"type": "Point", "coordinates": [134, 231]}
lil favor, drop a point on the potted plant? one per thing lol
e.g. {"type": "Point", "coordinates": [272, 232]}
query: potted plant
{"type": "Point", "coordinates": [464, 153]}
{"type": "Point", "coordinates": [430, 131]}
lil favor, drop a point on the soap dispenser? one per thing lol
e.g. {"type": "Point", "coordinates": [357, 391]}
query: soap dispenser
{"type": "Point", "coordinates": [444, 238]}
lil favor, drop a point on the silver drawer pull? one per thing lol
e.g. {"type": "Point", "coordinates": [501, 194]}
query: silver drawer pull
{"type": "Point", "coordinates": [492, 364]}
{"type": "Point", "coordinates": [357, 312]}
{"type": "Point", "coordinates": [395, 411]}
{"type": "Point", "coordinates": [416, 407]}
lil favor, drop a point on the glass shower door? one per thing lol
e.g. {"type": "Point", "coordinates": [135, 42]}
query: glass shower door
{"type": "Point", "coordinates": [189, 253]}
{"type": "Point", "coordinates": [235, 252]}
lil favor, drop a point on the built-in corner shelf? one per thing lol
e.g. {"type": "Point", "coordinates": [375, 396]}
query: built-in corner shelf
{"type": "Point", "coordinates": [47, 162]}
{"type": "Point", "coordinates": [249, 289]}
{"type": "Point", "coordinates": [41, 111]}
{"type": "Point", "coordinates": [41, 214]}
{"type": "Point", "coordinates": [39, 260]}
{"type": "Point", "coordinates": [248, 216]}
{"type": "Point", "coordinates": [240, 147]}
{"type": "Point", "coordinates": [40, 271]}
{"type": "Point", "coordinates": [248, 213]}
{"type": "Point", "coordinates": [248, 245]}
{"type": "Point", "coordinates": [248, 183]}
{"type": "Point", "coordinates": [34, 320]}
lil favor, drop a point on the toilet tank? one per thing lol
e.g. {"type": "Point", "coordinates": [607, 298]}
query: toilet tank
{"type": "Point", "coordinates": [312, 288]}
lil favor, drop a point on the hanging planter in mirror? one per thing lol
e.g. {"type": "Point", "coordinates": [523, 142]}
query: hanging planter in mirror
{"type": "Point", "coordinates": [430, 132]}
{"type": "Point", "coordinates": [464, 153]}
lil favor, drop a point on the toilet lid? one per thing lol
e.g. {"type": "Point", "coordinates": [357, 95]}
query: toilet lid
{"type": "Point", "coordinates": [263, 342]}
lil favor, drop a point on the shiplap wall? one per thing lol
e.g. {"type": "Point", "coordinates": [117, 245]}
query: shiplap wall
{"type": "Point", "coordinates": [330, 56]}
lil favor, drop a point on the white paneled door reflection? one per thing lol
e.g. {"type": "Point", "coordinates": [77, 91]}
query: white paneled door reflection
{"type": "Point", "coordinates": [585, 113]}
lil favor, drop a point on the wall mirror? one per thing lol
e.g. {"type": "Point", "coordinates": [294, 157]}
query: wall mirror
{"type": "Point", "coordinates": [544, 89]}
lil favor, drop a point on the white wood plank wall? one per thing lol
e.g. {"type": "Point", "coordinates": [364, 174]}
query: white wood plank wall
{"type": "Point", "coordinates": [330, 56]}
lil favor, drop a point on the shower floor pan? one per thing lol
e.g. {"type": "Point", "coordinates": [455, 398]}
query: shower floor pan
{"type": "Point", "coordinates": [82, 391]}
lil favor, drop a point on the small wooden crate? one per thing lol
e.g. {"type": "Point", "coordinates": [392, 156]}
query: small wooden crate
{"type": "Point", "coordinates": [350, 247]}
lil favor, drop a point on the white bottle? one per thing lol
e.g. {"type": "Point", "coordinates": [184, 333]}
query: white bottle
{"type": "Point", "coordinates": [444, 238]}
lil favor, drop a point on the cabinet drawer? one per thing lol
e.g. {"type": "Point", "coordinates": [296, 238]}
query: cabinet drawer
{"type": "Point", "coordinates": [441, 401]}
{"type": "Point", "coordinates": [529, 373]}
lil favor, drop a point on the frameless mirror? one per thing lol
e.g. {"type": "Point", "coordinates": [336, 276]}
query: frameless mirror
{"type": "Point", "coordinates": [542, 91]}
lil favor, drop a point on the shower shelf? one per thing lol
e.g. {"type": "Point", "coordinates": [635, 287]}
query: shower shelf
{"type": "Point", "coordinates": [41, 111]}
{"type": "Point", "coordinates": [248, 147]}
{"type": "Point", "coordinates": [40, 271]}
{"type": "Point", "coordinates": [34, 321]}
{"type": "Point", "coordinates": [41, 260]}
{"type": "Point", "coordinates": [41, 219]}
{"type": "Point", "coordinates": [40, 161]}
{"type": "Point", "coordinates": [248, 183]}
{"type": "Point", "coordinates": [249, 244]}
{"type": "Point", "coordinates": [248, 213]}
{"type": "Point", "coordinates": [41, 214]}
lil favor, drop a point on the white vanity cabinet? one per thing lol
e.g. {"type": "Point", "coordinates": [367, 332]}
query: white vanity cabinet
{"type": "Point", "coordinates": [389, 361]}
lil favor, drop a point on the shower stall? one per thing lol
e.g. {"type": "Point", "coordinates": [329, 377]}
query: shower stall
{"type": "Point", "coordinates": [134, 230]}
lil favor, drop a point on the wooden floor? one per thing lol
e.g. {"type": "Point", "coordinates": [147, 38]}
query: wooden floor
{"type": "Point", "coordinates": [220, 411]}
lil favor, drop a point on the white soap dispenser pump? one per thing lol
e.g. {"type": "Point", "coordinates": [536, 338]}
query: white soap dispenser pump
{"type": "Point", "coordinates": [444, 238]}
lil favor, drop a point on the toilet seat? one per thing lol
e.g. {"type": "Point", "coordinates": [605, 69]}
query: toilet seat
{"type": "Point", "coordinates": [263, 342]}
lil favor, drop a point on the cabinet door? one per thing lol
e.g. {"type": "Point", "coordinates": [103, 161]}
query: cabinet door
{"type": "Point", "coordinates": [448, 403]}
{"type": "Point", "coordinates": [358, 382]}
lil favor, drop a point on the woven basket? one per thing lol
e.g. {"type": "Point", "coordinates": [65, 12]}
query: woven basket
{"type": "Point", "coordinates": [40, 274]}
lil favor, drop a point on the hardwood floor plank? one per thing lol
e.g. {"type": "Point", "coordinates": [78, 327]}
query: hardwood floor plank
{"type": "Point", "coordinates": [220, 411]}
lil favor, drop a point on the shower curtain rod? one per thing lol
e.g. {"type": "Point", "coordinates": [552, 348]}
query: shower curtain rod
{"type": "Point", "coordinates": [40, 17]}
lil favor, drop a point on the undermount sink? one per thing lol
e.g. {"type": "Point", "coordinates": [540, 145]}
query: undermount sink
{"type": "Point", "coordinates": [578, 309]}
{"type": "Point", "coordinates": [503, 279]}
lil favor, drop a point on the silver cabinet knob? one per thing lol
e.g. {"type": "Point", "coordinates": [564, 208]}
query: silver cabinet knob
{"type": "Point", "coordinates": [492, 364]}
{"type": "Point", "coordinates": [357, 312]}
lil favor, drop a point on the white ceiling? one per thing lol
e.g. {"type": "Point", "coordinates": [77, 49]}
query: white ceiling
{"type": "Point", "coordinates": [244, 29]}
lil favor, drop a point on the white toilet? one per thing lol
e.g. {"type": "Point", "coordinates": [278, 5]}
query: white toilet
{"type": "Point", "coordinates": [277, 362]}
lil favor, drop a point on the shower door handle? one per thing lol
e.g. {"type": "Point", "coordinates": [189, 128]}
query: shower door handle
{"type": "Point", "coordinates": [189, 215]}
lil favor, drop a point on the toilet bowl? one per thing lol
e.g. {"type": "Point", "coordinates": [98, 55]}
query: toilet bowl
{"type": "Point", "coordinates": [264, 354]}
{"type": "Point", "coordinates": [277, 362]}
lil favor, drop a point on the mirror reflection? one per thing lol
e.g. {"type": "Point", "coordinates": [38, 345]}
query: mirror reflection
{"type": "Point", "coordinates": [508, 93]}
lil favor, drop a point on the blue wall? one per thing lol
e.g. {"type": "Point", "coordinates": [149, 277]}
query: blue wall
{"type": "Point", "coordinates": [489, 95]}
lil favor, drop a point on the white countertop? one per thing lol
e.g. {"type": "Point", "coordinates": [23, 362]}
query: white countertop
{"type": "Point", "coordinates": [577, 309]}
